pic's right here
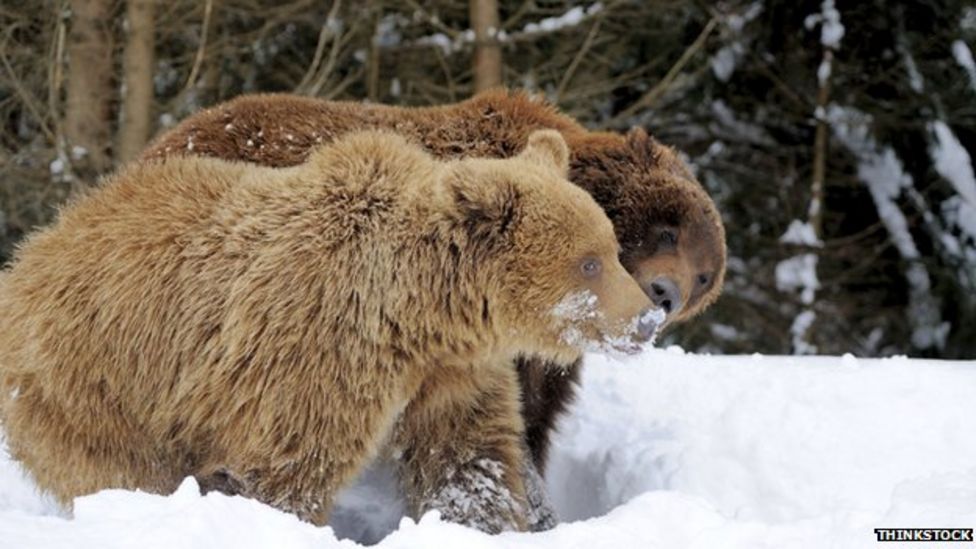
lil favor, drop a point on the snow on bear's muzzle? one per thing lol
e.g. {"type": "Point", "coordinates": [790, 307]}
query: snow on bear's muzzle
{"type": "Point", "coordinates": [587, 328]}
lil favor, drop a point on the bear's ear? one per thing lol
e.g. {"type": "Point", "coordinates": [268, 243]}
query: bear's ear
{"type": "Point", "coordinates": [637, 136]}
{"type": "Point", "coordinates": [488, 210]}
{"type": "Point", "coordinates": [646, 150]}
{"type": "Point", "coordinates": [643, 148]}
{"type": "Point", "coordinates": [548, 148]}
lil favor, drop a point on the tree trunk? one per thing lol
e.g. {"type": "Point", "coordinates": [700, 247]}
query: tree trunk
{"type": "Point", "coordinates": [139, 58]}
{"type": "Point", "coordinates": [487, 51]}
{"type": "Point", "coordinates": [373, 63]}
{"type": "Point", "coordinates": [87, 122]}
{"type": "Point", "coordinates": [820, 149]}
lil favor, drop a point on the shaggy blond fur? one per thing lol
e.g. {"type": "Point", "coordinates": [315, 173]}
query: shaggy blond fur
{"type": "Point", "coordinates": [667, 226]}
{"type": "Point", "coordinates": [270, 330]}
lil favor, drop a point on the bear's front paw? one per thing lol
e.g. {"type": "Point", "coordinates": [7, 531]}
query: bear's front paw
{"type": "Point", "coordinates": [477, 495]}
{"type": "Point", "coordinates": [541, 515]}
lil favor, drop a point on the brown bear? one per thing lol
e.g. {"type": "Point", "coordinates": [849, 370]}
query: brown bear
{"type": "Point", "coordinates": [269, 331]}
{"type": "Point", "coordinates": [670, 233]}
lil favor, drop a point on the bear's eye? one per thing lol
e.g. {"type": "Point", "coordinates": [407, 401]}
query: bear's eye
{"type": "Point", "coordinates": [667, 238]}
{"type": "Point", "coordinates": [703, 279]}
{"type": "Point", "coordinates": [590, 267]}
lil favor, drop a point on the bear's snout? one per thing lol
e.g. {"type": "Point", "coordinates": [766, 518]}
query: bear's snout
{"type": "Point", "coordinates": [648, 323]}
{"type": "Point", "coordinates": [666, 294]}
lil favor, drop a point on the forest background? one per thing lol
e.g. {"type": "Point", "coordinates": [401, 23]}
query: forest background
{"type": "Point", "coordinates": [837, 140]}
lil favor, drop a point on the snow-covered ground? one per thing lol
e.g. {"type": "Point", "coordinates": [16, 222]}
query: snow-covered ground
{"type": "Point", "coordinates": [666, 450]}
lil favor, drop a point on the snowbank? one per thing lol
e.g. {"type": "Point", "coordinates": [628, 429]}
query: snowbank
{"type": "Point", "coordinates": [666, 450]}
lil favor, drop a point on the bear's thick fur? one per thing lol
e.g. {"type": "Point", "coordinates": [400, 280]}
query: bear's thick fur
{"type": "Point", "coordinates": [670, 232]}
{"type": "Point", "coordinates": [270, 330]}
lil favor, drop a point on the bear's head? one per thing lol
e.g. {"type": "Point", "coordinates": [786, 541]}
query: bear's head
{"type": "Point", "coordinates": [671, 235]}
{"type": "Point", "coordinates": [561, 286]}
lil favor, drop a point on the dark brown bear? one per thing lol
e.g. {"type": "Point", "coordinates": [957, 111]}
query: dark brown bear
{"type": "Point", "coordinates": [669, 230]}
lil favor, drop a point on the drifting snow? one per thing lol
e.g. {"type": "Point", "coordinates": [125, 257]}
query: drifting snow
{"type": "Point", "coordinates": [665, 450]}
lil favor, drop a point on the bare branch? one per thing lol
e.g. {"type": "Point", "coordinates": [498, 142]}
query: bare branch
{"type": "Point", "coordinates": [654, 94]}
{"type": "Point", "coordinates": [198, 59]}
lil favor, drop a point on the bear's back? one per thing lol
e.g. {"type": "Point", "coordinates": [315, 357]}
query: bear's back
{"type": "Point", "coordinates": [282, 129]}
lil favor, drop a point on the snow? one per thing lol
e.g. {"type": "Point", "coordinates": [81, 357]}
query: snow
{"type": "Point", "coordinates": [885, 176]}
{"type": "Point", "coordinates": [657, 316]}
{"type": "Point", "coordinates": [737, 22]}
{"type": "Point", "coordinates": [961, 214]}
{"type": "Point", "coordinates": [914, 77]}
{"type": "Point", "coordinates": [571, 18]}
{"type": "Point", "coordinates": [576, 306]}
{"type": "Point", "coordinates": [831, 29]}
{"type": "Point", "coordinates": [388, 30]}
{"type": "Point", "coordinates": [724, 332]}
{"type": "Point", "coordinates": [60, 168]}
{"type": "Point", "coordinates": [823, 71]}
{"type": "Point", "coordinates": [927, 330]}
{"type": "Point", "coordinates": [964, 57]}
{"type": "Point", "coordinates": [662, 450]}
{"type": "Point", "coordinates": [580, 306]}
{"type": "Point", "coordinates": [799, 330]}
{"type": "Point", "coordinates": [371, 508]}
{"type": "Point", "coordinates": [952, 161]}
{"type": "Point", "coordinates": [473, 493]}
{"type": "Point", "coordinates": [726, 124]}
{"type": "Point", "coordinates": [438, 40]}
{"type": "Point", "coordinates": [800, 233]}
{"type": "Point", "coordinates": [798, 273]}
{"type": "Point", "coordinates": [726, 59]}
{"type": "Point", "coordinates": [968, 21]}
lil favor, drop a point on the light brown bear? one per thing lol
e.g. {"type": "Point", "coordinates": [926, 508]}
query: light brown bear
{"type": "Point", "coordinates": [670, 233]}
{"type": "Point", "coordinates": [269, 331]}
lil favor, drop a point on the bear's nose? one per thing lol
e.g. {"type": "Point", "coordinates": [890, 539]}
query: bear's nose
{"type": "Point", "coordinates": [664, 293]}
{"type": "Point", "coordinates": [648, 323]}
